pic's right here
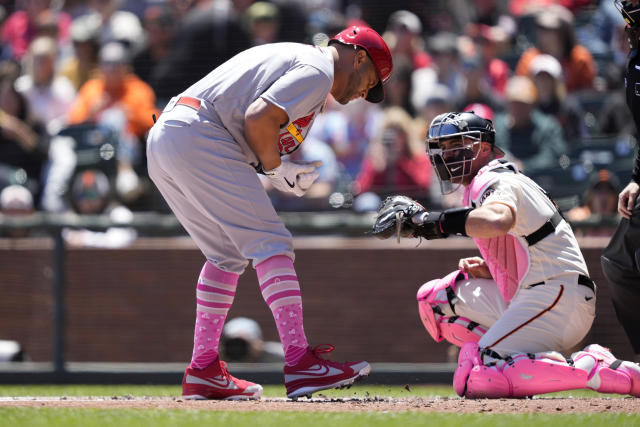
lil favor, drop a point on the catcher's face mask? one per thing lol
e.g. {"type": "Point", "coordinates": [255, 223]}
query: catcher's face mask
{"type": "Point", "coordinates": [452, 155]}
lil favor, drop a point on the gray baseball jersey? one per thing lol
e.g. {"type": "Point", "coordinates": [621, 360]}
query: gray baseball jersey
{"type": "Point", "coordinates": [200, 161]}
{"type": "Point", "coordinates": [295, 77]}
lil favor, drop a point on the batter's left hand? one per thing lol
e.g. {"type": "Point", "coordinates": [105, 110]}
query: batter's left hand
{"type": "Point", "coordinates": [476, 267]}
{"type": "Point", "coordinates": [294, 176]}
{"type": "Point", "coordinates": [627, 199]}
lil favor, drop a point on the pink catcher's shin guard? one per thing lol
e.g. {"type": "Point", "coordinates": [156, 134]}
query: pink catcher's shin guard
{"type": "Point", "coordinates": [539, 373]}
{"type": "Point", "coordinates": [519, 376]}
{"type": "Point", "coordinates": [455, 329]}
{"type": "Point", "coordinates": [607, 374]}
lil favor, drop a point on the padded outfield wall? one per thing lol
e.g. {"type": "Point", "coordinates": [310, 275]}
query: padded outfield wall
{"type": "Point", "coordinates": [138, 304]}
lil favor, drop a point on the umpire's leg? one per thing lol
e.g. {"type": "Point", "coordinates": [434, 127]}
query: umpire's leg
{"type": "Point", "coordinates": [624, 288]}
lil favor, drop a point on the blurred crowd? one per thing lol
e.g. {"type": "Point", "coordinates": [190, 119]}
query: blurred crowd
{"type": "Point", "coordinates": [80, 82]}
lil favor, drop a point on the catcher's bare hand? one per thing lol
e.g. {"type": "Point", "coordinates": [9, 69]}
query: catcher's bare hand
{"type": "Point", "coordinates": [476, 267]}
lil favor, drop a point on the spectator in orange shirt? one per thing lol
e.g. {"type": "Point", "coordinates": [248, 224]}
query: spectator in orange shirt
{"type": "Point", "coordinates": [120, 100]}
{"type": "Point", "coordinates": [555, 36]}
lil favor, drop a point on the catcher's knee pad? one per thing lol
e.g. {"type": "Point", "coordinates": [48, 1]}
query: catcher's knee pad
{"type": "Point", "coordinates": [607, 374]}
{"type": "Point", "coordinates": [520, 375]}
{"type": "Point", "coordinates": [455, 329]}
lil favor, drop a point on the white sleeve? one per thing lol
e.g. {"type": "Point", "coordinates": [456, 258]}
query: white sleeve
{"type": "Point", "coordinates": [501, 191]}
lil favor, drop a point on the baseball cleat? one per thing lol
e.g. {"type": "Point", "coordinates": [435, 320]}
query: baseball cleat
{"type": "Point", "coordinates": [215, 382]}
{"type": "Point", "coordinates": [313, 373]}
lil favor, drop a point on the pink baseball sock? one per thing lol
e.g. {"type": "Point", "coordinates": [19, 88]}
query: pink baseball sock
{"type": "Point", "coordinates": [214, 296]}
{"type": "Point", "coordinates": [281, 291]}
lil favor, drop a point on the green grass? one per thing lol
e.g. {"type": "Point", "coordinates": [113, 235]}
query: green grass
{"type": "Point", "coordinates": [65, 417]}
{"type": "Point", "coordinates": [71, 417]}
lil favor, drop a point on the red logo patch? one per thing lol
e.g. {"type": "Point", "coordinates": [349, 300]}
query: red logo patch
{"type": "Point", "coordinates": [288, 142]}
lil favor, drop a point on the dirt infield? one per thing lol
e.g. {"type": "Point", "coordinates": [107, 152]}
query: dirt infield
{"type": "Point", "coordinates": [319, 404]}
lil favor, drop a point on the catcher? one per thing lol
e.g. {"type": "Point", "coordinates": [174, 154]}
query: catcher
{"type": "Point", "coordinates": [528, 298]}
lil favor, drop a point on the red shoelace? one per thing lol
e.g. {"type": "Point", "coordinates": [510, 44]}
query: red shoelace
{"type": "Point", "coordinates": [322, 348]}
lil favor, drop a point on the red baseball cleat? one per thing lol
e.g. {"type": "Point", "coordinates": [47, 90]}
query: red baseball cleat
{"type": "Point", "coordinates": [215, 382]}
{"type": "Point", "coordinates": [313, 373]}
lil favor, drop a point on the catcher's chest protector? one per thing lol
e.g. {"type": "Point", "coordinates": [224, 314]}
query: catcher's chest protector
{"type": "Point", "coordinates": [506, 256]}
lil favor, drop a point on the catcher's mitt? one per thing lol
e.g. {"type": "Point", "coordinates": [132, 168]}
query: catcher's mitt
{"type": "Point", "coordinates": [401, 216]}
{"type": "Point", "coordinates": [405, 217]}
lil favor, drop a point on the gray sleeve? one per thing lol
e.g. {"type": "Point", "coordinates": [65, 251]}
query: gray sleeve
{"type": "Point", "coordinates": [299, 91]}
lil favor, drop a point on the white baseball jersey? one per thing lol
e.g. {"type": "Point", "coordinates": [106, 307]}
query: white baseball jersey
{"type": "Point", "coordinates": [547, 309]}
{"type": "Point", "coordinates": [556, 255]}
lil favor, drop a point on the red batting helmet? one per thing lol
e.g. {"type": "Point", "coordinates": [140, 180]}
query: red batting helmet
{"type": "Point", "coordinates": [378, 51]}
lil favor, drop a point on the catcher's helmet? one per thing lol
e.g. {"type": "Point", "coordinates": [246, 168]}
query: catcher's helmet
{"type": "Point", "coordinates": [378, 51]}
{"type": "Point", "coordinates": [455, 162]}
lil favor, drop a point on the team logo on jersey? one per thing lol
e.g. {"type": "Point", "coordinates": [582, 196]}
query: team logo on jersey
{"type": "Point", "coordinates": [291, 139]}
{"type": "Point", "coordinates": [491, 191]}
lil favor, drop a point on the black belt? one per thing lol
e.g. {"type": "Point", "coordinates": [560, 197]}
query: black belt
{"type": "Point", "coordinates": [546, 229]}
{"type": "Point", "coordinates": [582, 280]}
{"type": "Point", "coordinates": [585, 281]}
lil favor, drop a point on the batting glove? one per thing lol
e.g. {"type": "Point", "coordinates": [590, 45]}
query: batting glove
{"type": "Point", "coordinates": [293, 177]}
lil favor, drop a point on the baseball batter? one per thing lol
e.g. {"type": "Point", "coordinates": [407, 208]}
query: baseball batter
{"type": "Point", "coordinates": [528, 298]}
{"type": "Point", "coordinates": [203, 155]}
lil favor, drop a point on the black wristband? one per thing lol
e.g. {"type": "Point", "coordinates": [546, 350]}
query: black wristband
{"type": "Point", "coordinates": [453, 221]}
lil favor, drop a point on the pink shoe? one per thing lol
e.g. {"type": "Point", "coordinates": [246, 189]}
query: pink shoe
{"type": "Point", "coordinates": [313, 373]}
{"type": "Point", "coordinates": [610, 374]}
{"type": "Point", "coordinates": [215, 382]}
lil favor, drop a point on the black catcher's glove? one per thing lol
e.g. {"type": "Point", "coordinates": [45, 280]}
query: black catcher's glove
{"type": "Point", "coordinates": [405, 217]}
